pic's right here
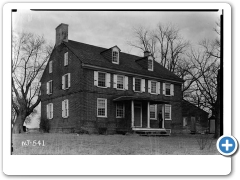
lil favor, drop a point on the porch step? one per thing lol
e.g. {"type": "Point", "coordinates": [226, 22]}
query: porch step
{"type": "Point", "coordinates": [152, 133]}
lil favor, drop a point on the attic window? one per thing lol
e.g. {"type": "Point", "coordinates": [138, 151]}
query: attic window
{"type": "Point", "coordinates": [150, 64]}
{"type": "Point", "coordinates": [115, 57]}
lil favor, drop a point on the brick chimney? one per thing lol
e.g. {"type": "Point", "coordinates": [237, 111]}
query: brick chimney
{"type": "Point", "coordinates": [146, 53]}
{"type": "Point", "coordinates": [61, 33]}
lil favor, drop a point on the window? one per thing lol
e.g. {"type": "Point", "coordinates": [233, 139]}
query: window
{"type": "Point", "coordinates": [101, 107]}
{"type": "Point", "coordinates": [168, 89]}
{"type": "Point", "coordinates": [50, 111]}
{"type": "Point", "coordinates": [50, 87]}
{"type": "Point", "coordinates": [65, 108]}
{"type": "Point", "coordinates": [120, 82]}
{"type": "Point", "coordinates": [66, 81]}
{"type": "Point", "coordinates": [120, 110]}
{"type": "Point", "coordinates": [101, 79]}
{"type": "Point", "coordinates": [137, 85]}
{"type": "Point", "coordinates": [153, 87]}
{"type": "Point", "coordinates": [153, 111]}
{"type": "Point", "coordinates": [168, 112]}
{"type": "Point", "coordinates": [50, 67]}
{"type": "Point", "coordinates": [115, 57]}
{"type": "Point", "coordinates": [66, 59]}
{"type": "Point", "coordinates": [150, 64]}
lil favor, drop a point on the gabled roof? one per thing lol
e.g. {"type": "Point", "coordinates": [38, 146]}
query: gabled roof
{"type": "Point", "coordinates": [91, 55]}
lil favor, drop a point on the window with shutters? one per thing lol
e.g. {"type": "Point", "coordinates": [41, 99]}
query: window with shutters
{"type": "Point", "coordinates": [66, 59]}
{"type": "Point", "coordinates": [137, 85]}
{"type": "Point", "coordinates": [66, 79]}
{"type": "Point", "coordinates": [50, 87]}
{"type": "Point", "coordinates": [101, 107]}
{"type": "Point", "coordinates": [50, 111]}
{"type": "Point", "coordinates": [65, 108]}
{"type": "Point", "coordinates": [119, 110]}
{"type": "Point", "coordinates": [115, 57]}
{"type": "Point", "coordinates": [153, 111]}
{"type": "Point", "coordinates": [168, 89]}
{"type": "Point", "coordinates": [101, 79]}
{"type": "Point", "coordinates": [50, 66]}
{"type": "Point", "coordinates": [168, 113]}
{"type": "Point", "coordinates": [153, 87]}
{"type": "Point", "coordinates": [120, 82]}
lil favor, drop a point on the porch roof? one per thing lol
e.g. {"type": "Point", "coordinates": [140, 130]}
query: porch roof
{"type": "Point", "coordinates": [129, 98]}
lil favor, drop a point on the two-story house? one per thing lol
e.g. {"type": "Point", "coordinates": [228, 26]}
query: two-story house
{"type": "Point", "coordinates": [94, 88]}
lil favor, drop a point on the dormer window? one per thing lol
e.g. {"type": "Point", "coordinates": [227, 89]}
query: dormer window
{"type": "Point", "coordinates": [150, 64]}
{"type": "Point", "coordinates": [115, 57]}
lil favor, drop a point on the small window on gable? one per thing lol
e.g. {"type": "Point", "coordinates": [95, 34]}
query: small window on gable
{"type": "Point", "coordinates": [150, 64]}
{"type": "Point", "coordinates": [50, 66]}
{"type": "Point", "coordinates": [66, 59]}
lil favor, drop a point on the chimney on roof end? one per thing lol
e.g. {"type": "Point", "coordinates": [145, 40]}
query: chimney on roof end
{"type": "Point", "coordinates": [61, 34]}
{"type": "Point", "coordinates": [146, 53]}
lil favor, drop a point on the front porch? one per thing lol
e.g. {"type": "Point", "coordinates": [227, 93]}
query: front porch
{"type": "Point", "coordinates": [139, 114]}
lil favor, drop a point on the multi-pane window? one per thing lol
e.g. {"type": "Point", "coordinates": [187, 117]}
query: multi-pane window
{"type": "Point", "coordinates": [66, 79]}
{"type": "Point", "coordinates": [66, 59]}
{"type": "Point", "coordinates": [150, 64]}
{"type": "Point", "coordinates": [101, 79]}
{"type": "Point", "coordinates": [101, 107]}
{"type": "Point", "coordinates": [153, 111]}
{"type": "Point", "coordinates": [115, 57]}
{"type": "Point", "coordinates": [65, 108]}
{"type": "Point", "coordinates": [49, 87]}
{"type": "Point", "coordinates": [137, 84]}
{"type": "Point", "coordinates": [50, 66]}
{"type": "Point", "coordinates": [168, 112]}
{"type": "Point", "coordinates": [153, 87]}
{"type": "Point", "coordinates": [50, 111]}
{"type": "Point", "coordinates": [168, 89]}
{"type": "Point", "coordinates": [120, 82]}
{"type": "Point", "coordinates": [120, 110]}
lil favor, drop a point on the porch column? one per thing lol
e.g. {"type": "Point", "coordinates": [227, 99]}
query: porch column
{"type": "Point", "coordinates": [163, 114]}
{"type": "Point", "coordinates": [132, 111]}
{"type": "Point", "coordinates": [148, 115]}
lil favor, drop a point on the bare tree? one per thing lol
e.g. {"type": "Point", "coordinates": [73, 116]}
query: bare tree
{"type": "Point", "coordinates": [143, 40]}
{"type": "Point", "coordinates": [30, 54]}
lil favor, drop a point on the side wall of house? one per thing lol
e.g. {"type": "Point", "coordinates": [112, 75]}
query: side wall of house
{"type": "Point", "coordinates": [73, 94]}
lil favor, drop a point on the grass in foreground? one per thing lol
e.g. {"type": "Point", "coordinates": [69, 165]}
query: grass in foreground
{"type": "Point", "coordinates": [72, 144]}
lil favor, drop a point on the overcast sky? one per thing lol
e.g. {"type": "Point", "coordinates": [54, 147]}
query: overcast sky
{"type": "Point", "coordinates": [107, 29]}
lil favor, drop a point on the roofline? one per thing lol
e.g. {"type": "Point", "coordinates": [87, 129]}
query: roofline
{"type": "Point", "coordinates": [88, 66]}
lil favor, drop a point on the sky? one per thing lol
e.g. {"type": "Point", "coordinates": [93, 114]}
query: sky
{"type": "Point", "coordinates": [107, 29]}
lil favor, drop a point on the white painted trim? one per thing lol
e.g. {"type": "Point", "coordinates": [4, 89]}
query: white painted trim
{"type": "Point", "coordinates": [170, 112]}
{"type": "Point", "coordinates": [48, 87]}
{"type": "Point", "coordinates": [151, 87]}
{"type": "Point", "coordinates": [148, 115]}
{"type": "Point", "coordinates": [127, 73]}
{"type": "Point", "coordinates": [105, 79]}
{"type": "Point", "coordinates": [105, 107]}
{"type": "Point", "coordinates": [140, 84]}
{"type": "Point", "coordinates": [155, 112]}
{"type": "Point", "coordinates": [132, 111]}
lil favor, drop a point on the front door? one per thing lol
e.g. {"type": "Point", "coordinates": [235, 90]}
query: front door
{"type": "Point", "coordinates": [137, 114]}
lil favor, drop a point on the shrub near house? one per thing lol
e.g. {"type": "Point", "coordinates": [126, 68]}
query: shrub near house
{"type": "Point", "coordinates": [85, 87]}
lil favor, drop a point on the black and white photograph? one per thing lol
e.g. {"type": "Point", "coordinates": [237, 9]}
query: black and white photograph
{"type": "Point", "coordinates": [116, 81]}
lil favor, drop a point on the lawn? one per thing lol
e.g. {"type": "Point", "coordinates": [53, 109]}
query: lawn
{"type": "Point", "coordinates": [132, 144]}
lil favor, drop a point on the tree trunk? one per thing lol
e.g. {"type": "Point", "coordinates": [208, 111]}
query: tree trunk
{"type": "Point", "coordinates": [18, 125]}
